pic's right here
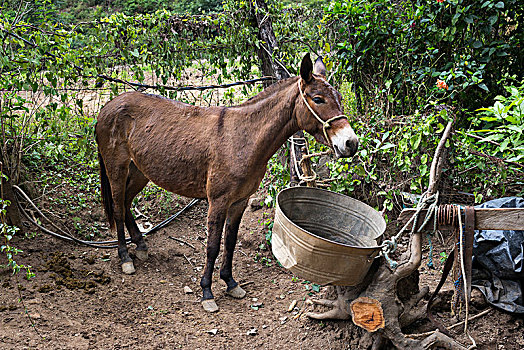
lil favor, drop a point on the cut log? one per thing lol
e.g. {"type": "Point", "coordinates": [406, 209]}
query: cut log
{"type": "Point", "coordinates": [367, 313]}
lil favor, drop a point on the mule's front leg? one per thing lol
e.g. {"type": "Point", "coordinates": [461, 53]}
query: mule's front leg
{"type": "Point", "coordinates": [234, 216]}
{"type": "Point", "coordinates": [215, 224]}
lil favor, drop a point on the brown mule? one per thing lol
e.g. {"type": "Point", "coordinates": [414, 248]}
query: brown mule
{"type": "Point", "coordinates": [218, 153]}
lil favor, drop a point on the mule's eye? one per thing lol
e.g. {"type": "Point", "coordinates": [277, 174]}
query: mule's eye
{"type": "Point", "coordinates": [318, 100]}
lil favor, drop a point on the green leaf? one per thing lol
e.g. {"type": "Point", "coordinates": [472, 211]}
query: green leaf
{"type": "Point", "coordinates": [477, 44]}
{"type": "Point", "coordinates": [386, 146]}
{"type": "Point", "coordinates": [504, 145]}
{"type": "Point", "coordinates": [455, 19]}
{"type": "Point", "coordinates": [499, 5]}
{"type": "Point", "coordinates": [483, 87]}
{"type": "Point", "coordinates": [423, 169]}
{"type": "Point", "coordinates": [415, 141]}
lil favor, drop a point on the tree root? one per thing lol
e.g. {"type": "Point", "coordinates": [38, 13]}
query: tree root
{"type": "Point", "coordinates": [381, 285]}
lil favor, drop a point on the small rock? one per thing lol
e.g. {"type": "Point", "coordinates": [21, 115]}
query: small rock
{"type": "Point", "coordinates": [257, 306]}
{"type": "Point", "coordinates": [292, 305]}
{"type": "Point", "coordinates": [283, 319]}
{"type": "Point", "coordinates": [162, 281]}
{"type": "Point", "coordinates": [187, 290]}
{"type": "Point", "coordinates": [213, 331]}
{"type": "Point", "coordinates": [252, 331]}
{"type": "Point", "coordinates": [264, 326]}
{"type": "Point", "coordinates": [255, 203]}
{"type": "Point", "coordinates": [35, 316]}
{"type": "Point", "coordinates": [254, 299]}
{"type": "Point", "coordinates": [477, 299]}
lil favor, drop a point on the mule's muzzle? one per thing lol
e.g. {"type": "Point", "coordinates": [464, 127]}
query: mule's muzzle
{"type": "Point", "coordinates": [345, 142]}
{"type": "Point", "coordinates": [349, 149]}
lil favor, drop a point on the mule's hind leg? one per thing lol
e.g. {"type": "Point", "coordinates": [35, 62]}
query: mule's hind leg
{"type": "Point", "coordinates": [136, 181]}
{"type": "Point", "coordinates": [216, 216]}
{"type": "Point", "coordinates": [117, 174]}
{"type": "Point", "coordinates": [234, 216]}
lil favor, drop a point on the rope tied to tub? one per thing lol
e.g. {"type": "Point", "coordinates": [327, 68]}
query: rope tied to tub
{"type": "Point", "coordinates": [429, 202]}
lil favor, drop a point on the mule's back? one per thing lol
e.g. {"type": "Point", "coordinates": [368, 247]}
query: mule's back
{"type": "Point", "coordinates": [169, 141]}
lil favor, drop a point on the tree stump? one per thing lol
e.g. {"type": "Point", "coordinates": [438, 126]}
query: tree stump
{"type": "Point", "coordinates": [367, 313]}
{"type": "Point", "coordinates": [375, 306]}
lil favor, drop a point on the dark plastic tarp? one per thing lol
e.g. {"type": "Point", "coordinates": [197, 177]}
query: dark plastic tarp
{"type": "Point", "coordinates": [498, 258]}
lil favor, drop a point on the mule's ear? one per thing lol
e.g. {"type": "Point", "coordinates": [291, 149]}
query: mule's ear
{"type": "Point", "coordinates": [306, 68]}
{"type": "Point", "coordinates": [320, 67]}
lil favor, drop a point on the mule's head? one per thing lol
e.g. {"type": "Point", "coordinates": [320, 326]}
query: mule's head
{"type": "Point", "coordinates": [322, 114]}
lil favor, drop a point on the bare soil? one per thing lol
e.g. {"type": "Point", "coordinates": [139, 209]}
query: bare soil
{"type": "Point", "coordinates": [79, 298]}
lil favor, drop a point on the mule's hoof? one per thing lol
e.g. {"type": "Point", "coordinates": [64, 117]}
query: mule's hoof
{"type": "Point", "coordinates": [209, 305]}
{"type": "Point", "coordinates": [237, 292]}
{"type": "Point", "coordinates": [141, 254]}
{"type": "Point", "coordinates": [128, 268]}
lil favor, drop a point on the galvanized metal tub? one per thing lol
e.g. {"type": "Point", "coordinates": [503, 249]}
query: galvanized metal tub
{"type": "Point", "coordinates": [325, 237]}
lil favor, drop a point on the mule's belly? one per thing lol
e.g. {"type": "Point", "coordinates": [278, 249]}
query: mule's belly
{"type": "Point", "coordinates": [174, 175]}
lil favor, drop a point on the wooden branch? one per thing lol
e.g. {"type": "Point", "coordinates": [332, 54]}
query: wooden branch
{"type": "Point", "coordinates": [405, 268]}
{"type": "Point", "coordinates": [309, 174]}
{"type": "Point", "coordinates": [485, 219]}
{"type": "Point", "coordinates": [426, 334]}
{"type": "Point", "coordinates": [436, 164]}
{"type": "Point", "coordinates": [439, 339]}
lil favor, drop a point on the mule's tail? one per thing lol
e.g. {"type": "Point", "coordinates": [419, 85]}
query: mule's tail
{"type": "Point", "coordinates": [105, 189]}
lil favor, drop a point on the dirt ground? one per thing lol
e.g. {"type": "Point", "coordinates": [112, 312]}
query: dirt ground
{"type": "Point", "coordinates": [79, 298]}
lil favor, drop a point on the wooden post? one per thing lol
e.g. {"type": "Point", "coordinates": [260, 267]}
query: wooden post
{"type": "Point", "coordinates": [305, 165]}
{"type": "Point", "coordinates": [485, 219]}
{"type": "Point", "coordinates": [270, 67]}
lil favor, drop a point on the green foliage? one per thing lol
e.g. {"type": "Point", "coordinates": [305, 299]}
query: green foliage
{"type": "Point", "coordinates": [70, 11]}
{"type": "Point", "coordinates": [503, 123]}
{"type": "Point", "coordinates": [394, 156]}
{"type": "Point", "coordinates": [490, 154]}
{"type": "Point", "coordinates": [385, 57]}
{"type": "Point", "coordinates": [394, 53]}
{"type": "Point", "coordinates": [7, 232]}
{"type": "Point", "coordinates": [276, 179]}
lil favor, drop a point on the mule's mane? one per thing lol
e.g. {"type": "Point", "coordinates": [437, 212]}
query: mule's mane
{"type": "Point", "coordinates": [270, 91]}
{"type": "Point", "coordinates": [267, 92]}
